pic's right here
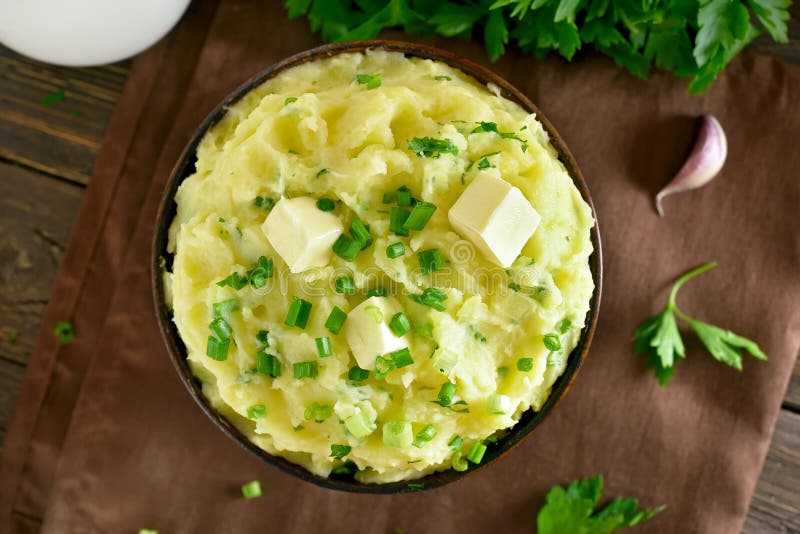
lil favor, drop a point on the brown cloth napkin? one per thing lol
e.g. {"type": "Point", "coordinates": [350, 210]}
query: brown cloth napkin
{"type": "Point", "coordinates": [105, 439]}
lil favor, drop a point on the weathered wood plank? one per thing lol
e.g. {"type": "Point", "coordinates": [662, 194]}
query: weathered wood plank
{"type": "Point", "coordinates": [776, 503]}
{"type": "Point", "coordinates": [792, 399]}
{"type": "Point", "coordinates": [62, 138]}
{"type": "Point", "coordinates": [11, 375]}
{"type": "Point", "coordinates": [36, 216]}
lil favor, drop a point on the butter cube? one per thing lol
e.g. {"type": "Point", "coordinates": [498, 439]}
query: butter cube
{"type": "Point", "coordinates": [301, 233]}
{"type": "Point", "coordinates": [495, 217]}
{"type": "Point", "coordinates": [367, 330]}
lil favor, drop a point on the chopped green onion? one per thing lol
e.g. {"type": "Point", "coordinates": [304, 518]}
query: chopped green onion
{"type": "Point", "coordinates": [442, 78]}
{"type": "Point", "coordinates": [217, 349]}
{"type": "Point", "coordinates": [147, 531]}
{"type": "Point", "coordinates": [446, 393]}
{"type": "Point", "coordinates": [220, 328]}
{"type": "Point", "coordinates": [267, 364]}
{"type": "Point", "coordinates": [397, 218]}
{"type": "Point", "coordinates": [455, 443]}
{"type": "Point", "coordinates": [395, 250]}
{"type": "Point", "coordinates": [251, 490]}
{"type": "Point", "coordinates": [398, 434]}
{"type": "Point", "coordinates": [335, 320]}
{"type": "Point", "coordinates": [446, 361]}
{"type": "Point", "coordinates": [320, 173]}
{"type": "Point", "coordinates": [525, 364]}
{"type": "Point", "coordinates": [359, 425]}
{"type": "Point", "coordinates": [552, 342]}
{"type": "Point", "coordinates": [264, 202]}
{"type": "Point", "coordinates": [360, 233]}
{"type": "Point", "coordinates": [226, 306]}
{"type": "Point", "coordinates": [424, 436]}
{"type": "Point", "coordinates": [498, 404]}
{"type": "Point", "coordinates": [433, 297]}
{"type": "Point", "coordinates": [372, 81]}
{"type": "Point", "coordinates": [264, 270]}
{"type": "Point", "coordinates": [458, 463]}
{"type": "Point", "coordinates": [415, 486]}
{"type": "Point", "coordinates": [401, 358]}
{"type": "Point", "coordinates": [377, 292]}
{"type": "Point", "coordinates": [257, 411]}
{"type": "Point", "coordinates": [476, 453]}
{"type": "Point", "coordinates": [347, 469]}
{"type": "Point", "coordinates": [298, 313]}
{"type": "Point", "coordinates": [430, 260]}
{"type": "Point", "coordinates": [325, 204]}
{"type": "Point", "coordinates": [53, 98]}
{"type": "Point", "coordinates": [389, 197]}
{"type": "Point", "coordinates": [234, 280]}
{"type": "Point", "coordinates": [399, 324]}
{"type": "Point", "coordinates": [403, 196]}
{"type": "Point", "coordinates": [289, 100]}
{"type": "Point", "coordinates": [263, 337]}
{"type": "Point", "coordinates": [323, 347]}
{"type": "Point", "coordinates": [347, 248]}
{"type": "Point", "coordinates": [345, 285]}
{"type": "Point", "coordinates": [564, 325]}
{"type": "Point", "coordinates": [298, 428]}
{"type": "Point", "coordinates": [553, 359]}
{"type": "Point", "coordinates": [338, 452]}
{"type": "Point", "coordinates": [502, 371]}
{"type": "Point", "coordinates": [382, 367]}
{"type": "Point", "coordinates": [419, 216]}
{"type": "Point", "coordinates": [305, 370]}
{"type": "Point", "coordinates": [357, 374]}
{"type": "Point", "coordinates": [318, 412]}
{"type": "Point", "coordinates": [374, 312]}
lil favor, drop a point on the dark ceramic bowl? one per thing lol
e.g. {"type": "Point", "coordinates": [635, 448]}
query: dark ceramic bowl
{"type": "Point", "coordinates": [177, 351]}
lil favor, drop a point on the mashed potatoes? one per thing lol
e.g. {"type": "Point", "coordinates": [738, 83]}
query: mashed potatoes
{"type": "Point", "coordinates": [371, 134]}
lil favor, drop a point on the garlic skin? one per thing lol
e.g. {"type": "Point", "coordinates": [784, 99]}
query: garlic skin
{"type": "Point", "coordinates": [704, 162]}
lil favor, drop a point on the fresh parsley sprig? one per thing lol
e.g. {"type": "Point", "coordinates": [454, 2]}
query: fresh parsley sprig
{"type": "Point", "coordinates": [690, 39]}
{"type": "Point", "coordinates": [573, 510]}
{"type": "Point", "coordinates": [659, 338]}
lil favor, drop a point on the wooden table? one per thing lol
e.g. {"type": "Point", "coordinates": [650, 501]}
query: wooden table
{"type": "Point", "coordinates": [46, 159]}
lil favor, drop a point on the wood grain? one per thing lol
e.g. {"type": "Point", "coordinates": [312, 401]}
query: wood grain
{"type": "Point", "coordinates": [11, 376]}
{"type": "Point", "coordinates": [63, 138]}
{"type": "Point", "coordinates": [774, 508]}
{"type": "Point", "coordinates": [36, 216]}
{"type": "Point", "coordinates": [37, 211]}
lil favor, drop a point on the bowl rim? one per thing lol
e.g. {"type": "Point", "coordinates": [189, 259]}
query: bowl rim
{"type": "Point", "coordinates": [184, 167]}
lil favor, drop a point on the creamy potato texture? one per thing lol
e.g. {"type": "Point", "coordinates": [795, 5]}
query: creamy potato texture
{"type": "Point", "coordinates": [501, 336]}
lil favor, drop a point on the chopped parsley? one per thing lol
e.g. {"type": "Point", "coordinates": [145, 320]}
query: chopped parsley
{"type": "Point", "coordinates": [372, 81]}
{"type": "Point", "coordinates": [431, 148]}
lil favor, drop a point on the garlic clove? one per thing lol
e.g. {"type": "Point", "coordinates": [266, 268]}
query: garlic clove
{"type": "Point", "coordinates": [704, 162]}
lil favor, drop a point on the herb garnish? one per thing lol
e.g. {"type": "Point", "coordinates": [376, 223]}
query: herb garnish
{"type": "Point", "coordinates": [340, 451]}
{"type": "Point", "coordinates": [430, 147]}
{"type": "Point", "coordinates": [372, 81]}
{"type": "Point", "coordinates": [658, 337]}
{"type": "Point", "coordinates": [695, 40]}
{"type": "Point", "coordinates": [65, 332]}
{"type": "Point", "coordinates": [53, 98]}
{"type": "Point", "coordinates": [573, 510]}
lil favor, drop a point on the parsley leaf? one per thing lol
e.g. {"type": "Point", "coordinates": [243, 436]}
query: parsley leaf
{"type": "Point", "coordinates": [573, 510]}
{"type": "Point", "coordinates": [692, 39]}
{"type": "Point", "coordinates": [659, 338]}
{"type": "Point", "coordinates": [431, 148]}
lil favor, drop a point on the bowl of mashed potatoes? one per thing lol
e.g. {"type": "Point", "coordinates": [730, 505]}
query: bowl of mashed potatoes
{"type": "Point", "coordinates": [377, 266]}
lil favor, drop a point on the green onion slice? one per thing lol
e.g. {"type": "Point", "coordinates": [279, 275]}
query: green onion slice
{"type": "Point", "coordinates": [298, 313]}
{"type": "Point", "coordinates": [399, 324]}
{"type": "Point", "coordinates": [336, 320]}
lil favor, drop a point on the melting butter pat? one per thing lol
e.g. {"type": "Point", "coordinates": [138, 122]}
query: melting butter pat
{"type": "Point", "coordinates": [496, 217]}
{"type": "Point", "coordinates": [301, 233]}
{"type": "Point", "coordinates": [367, 330]}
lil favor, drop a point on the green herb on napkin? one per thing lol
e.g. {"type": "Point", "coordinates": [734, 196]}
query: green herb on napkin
{"type": "Point", "coordinates": [690, 39]}
{"type": "Point", "coordinates": [659, 338]}
{"type": "Point", "coordinates": [573, 510]}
